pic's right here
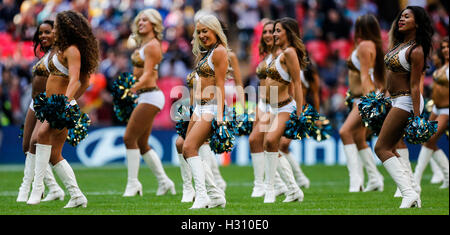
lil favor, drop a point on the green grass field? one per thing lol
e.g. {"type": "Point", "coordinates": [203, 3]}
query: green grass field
{"type": "Point", "coordinates": [328, 195]}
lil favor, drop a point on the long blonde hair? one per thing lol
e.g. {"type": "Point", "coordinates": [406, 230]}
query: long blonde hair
{"type": "Point", "coordinates": [212, 23]}
{"type": "Point", "coordinates": [155, 18]}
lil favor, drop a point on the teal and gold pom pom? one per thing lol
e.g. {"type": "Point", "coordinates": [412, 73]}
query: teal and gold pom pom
{"type": "Point", "coordinates": [183, 115]}
{"type": "Point", "coordinates": [124, 101]}
{"type": "Point", "coordinates": [222, 139]}
{"type": "Point", "coordinates": [40, 106]}
{"type": "Point", "coordinates": [303, 126]}
{"type": "Point", "coordinates": [245, 124]}
{"type": "Point", "coordinates": [373, 110]}
{"type": "Point", "coordinates": [349, 100]}
{"type": "Point", "coordinates": [419, 130]}
{"type": "Point", "coordinates": [80, 131]}
{"type": "Point", "coordinates": [56, 110]}
{"type": "Point", "coordinates": [322, 131]}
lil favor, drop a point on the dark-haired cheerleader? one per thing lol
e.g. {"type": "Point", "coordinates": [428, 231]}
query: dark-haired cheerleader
{"type": "Point", "coordinates": [268, 50]}
{"type": "Point", "coordinates": [43, 40]}
{"type": "Point", "coordinates": [283, 71]}
{"type": "Point", "coordinates": [366, 75]}
{"type": "Point", "coordinates": [74, 57]}
{"type": "Point", "coordinates": [410, 45]}
{"type": "Point", "coordinates": [440, 113]}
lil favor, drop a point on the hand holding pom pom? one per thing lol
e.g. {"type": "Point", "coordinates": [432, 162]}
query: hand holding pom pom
{"type": "Point", "coordinates": [303, 126]}
{"type": "Point", "coordinates": [373, 110]}
{"type": "Point", "coordinates": [419, 130]}
{"type": "Point", "coordinates": [124, 100]}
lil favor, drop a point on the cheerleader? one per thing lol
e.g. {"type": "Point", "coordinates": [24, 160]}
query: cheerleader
{"type": "Point", "coordinates": [211, 46]}
{"type": "Point", "coordinates": [267, 50]}
{"type": "Point", "coordinates": [43, 38]}
{"type": "Point", "coordinates": [282, 71]}
{"type": "Point", "coordinates": [310, 86]}
{"type": "Point", "coordinates": [439, 113]}
{"type": "Point", "coordinates": [74, 57]}
{"type": "Point", "coordinates": [147, 33]}
{"type": "Point", "coordinates": [366, 74]}
{"type": "Point", "coordinates": [410, 44]}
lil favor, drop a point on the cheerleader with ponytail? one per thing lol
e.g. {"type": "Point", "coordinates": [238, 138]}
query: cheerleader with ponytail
{"type": "Point", "coordinates": [147, 34]}
{"type": "Point", "coordinates": [366, 76]}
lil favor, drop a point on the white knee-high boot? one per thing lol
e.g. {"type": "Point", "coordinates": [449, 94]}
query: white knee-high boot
{"type": "Point", "coordinates": [354, 168]}
{"type": "Point", "coordinates": [438, 176]}
{"type": "Point", "coordinates": [28, 175]}
{"type": "Point", "coordinates": [375, 182]}
{"type": "Point", "coordinates": [442, 161]}
{"type": "Point", "coordinates": [215, 193]}
{"type": "Point", "coordinates": [198, 173]}
{"type": "Point", "coordinates": [165, 184]}
{"type": "Point", "coordinates": [422, 162]}
{"type": "Point", "coordinates": [271, 165]}
{"type": "Point", "coordinates": [404, 159]}
{"type": "Point", "coordinates": [258, 173]}
{"type": "Point", "coordinates": [300, 177]}
{"type": "Point", "coordinates": [210, 158]}
{"type": "Point", "coordinates": [43, 153]}
{"type": "Point", "coordinates": [54, 191]}
{"type": "Point", "coordinates": [294, 192]}
{"type": "Point", "coordinates": [186, 176]}
{"type": "Point", "coordinates": [133, 185]}
{"type": "Point", "coordinates": [67, 176]}
{"type": "Point", "coordinates": [400, 176]}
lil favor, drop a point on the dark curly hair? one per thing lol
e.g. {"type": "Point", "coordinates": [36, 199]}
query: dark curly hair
{"type": "Point", "coordinates": [37, 42]}
{"type": "Point", "coordinates": [72, 28]}
{"type": "Point", "coordinates": [424, 32]}
{"type": "Point", "coordinates": [293, 36]}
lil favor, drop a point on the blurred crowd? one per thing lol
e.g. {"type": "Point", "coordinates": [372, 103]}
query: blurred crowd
{"type": "Point", "coordinates": [326, 27]}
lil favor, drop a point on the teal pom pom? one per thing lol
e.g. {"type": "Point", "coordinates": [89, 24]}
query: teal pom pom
{"type": "Point", "coordinates": [40, 106]}
{"type": "Point", "coordinates": [56, 110]}
{"type": "Point", "coordinates": [303, 126]}
{"type": "Point", "coordinates": [324, 131]}
{"type": "Point", "coordinates": [184, 114]}
{"type": "Point", "coordinates": [349, 100]}
{"type": "Point", "coordinates": [373, 110]}
{"type": "Point", "coordinates": [222, 139]}
{"type": "Point", "coordinates": [419, 130]}
{"type": "Point", "coordinates": [80, 131]}
{"type": "Point", "coordinates": [244, 124]}
{"type": "Point", "coordinates": [124, 101]}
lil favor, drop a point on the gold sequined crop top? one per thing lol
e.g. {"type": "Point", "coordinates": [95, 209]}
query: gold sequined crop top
{"type": "Point", "coordinates": [138, 58]}
{"type": "Point", "coordinates": [354, 64]}
{"type": "Point", "coordinates": [262, 67]}
{"type": "Point", "coordinates": [205, 67]}
{"type": "Point", "coordinates": [41, 67]}
{"type": "Point", "coordinates": [57, 68]}
{"type": "Point", "coordinates": [440, 76]}
{"type": "Point", "coordinates": [276, 72]}
{"type": "Point", "coordinates": [395, 60]}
